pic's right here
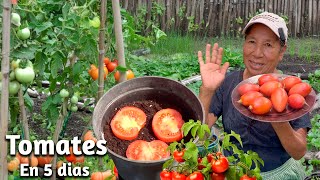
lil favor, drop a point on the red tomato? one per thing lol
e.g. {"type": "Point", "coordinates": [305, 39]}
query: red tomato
{"type": "Point", "coordinates": [243, 88]}
{"type": "Point", "coordinates": [200, 166]}
{"type": "Point", "coordinates": [165, 175]}
{"type": "Point", "coordinates": [216, 176]}
{"type": "Point", "coordinates": [178, 155]}
{"type": "Point", "coordinates": [106, 61]}
{"type": "Point", "coordinates": [210, 157]}
{"type": "Point", "coordinates": [127, 123]}
{"type": "Point", "coordinates": [178, 176]}
{"type": "Point", "coordinates": [71, 157]}
{"type": "Point", "coordinates": [296, 101]}
{"type": "Point", "coordinates": [43, 160]}
{"type": "Point", "coordinates": [147, 151]}
{"type": "Point", "coordinates": [268, 87]}
{"type": "Point", "coordinates": [248, 97]}
{"type": "Point", "coordinates": [290, 81]}
{"type": "Point", "coordinates": [220, 165]}
{"type": "Point", "coordinates": [260, 106]}
{"type": "Point", "coordinates": [279, 99]}
{"type": "Point", "coordinates": [129, 74]}
{"type": "Point", "coordinates": [266, 78]}
{"type": "Point", "coordinates": [111, 66]}
{"type": "Point", "coordinates": [302, 88]}
{"type": "Point", "coordinates": [115, 171]}
{"type": "Point", "coordinates": [166, 125]}
{"type": "Point", "coordinates": [246, 177]}
{"type": "Point", "coordinates": [195, 176]}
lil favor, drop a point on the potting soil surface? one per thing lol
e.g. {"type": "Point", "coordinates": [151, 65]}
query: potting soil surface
{"type": "Point", "coordinates": [120, 146]}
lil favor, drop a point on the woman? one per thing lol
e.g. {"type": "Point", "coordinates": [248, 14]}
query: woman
{"type": "Point", "coordinates": [279, 144]}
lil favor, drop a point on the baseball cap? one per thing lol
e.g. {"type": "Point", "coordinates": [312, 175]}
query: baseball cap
{"type": "Point", "coordinates": [273, 21]}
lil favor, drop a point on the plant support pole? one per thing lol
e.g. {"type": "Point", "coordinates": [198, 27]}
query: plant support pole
{"type": "Point", "coordinates": [6, 25]}
{"type": "Point", "coordinates": [101, 48]}
{"type": "Point", "coordinates": [119, 36]}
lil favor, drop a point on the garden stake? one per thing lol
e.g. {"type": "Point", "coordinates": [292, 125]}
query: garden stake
{"type": "Point", "coordinates": [6, 25]}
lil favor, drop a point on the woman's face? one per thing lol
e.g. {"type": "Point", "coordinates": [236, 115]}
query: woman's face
{"type": "Point", "coordinates": [261, 51]}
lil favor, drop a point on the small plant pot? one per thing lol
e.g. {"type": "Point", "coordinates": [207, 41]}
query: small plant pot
{"type": "Point", "coordinates": [313, 176]}
{"type": "Point", "coordinates": [158, 89]}
{"type": "Point", "coordinates": [213, 146]}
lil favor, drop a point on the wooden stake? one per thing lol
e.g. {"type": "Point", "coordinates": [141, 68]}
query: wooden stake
{"type": "Point", "coordinates": [101, 48]}
{"type": "Point", "coordinates": [6, 25]}
{"type": "Point", "coordinates": [119, 36]}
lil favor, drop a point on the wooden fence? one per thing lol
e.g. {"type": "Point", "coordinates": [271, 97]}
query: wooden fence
{"type": "Point", "coordinates": [225, 17]}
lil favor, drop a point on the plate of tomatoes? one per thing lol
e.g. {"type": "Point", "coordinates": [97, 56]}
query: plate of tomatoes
{"type": "Point", "coordinates": [273, 97]}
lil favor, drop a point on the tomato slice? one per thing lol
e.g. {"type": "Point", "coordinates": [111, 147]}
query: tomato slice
{"type": "Point", "coordinates": [127, 123]}
{"type": "Point", "coordinates": [166, 125]}
{"type": "Point", "coordinates": [147, 151]}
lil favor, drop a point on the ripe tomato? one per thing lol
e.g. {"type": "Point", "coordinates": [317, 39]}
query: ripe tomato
{"type": "Point", "coordinates": [260, 106]}
{"type": "Point", "coordinates": [268, 87]}
{"type": "Point", "coordinates": [290, 81]}
{"type": "Point", "coordinates": [94, 73]}
{"type": "Point", "coordinates": [107, 174]}
{"type": "Point", "coordinates": [129, 74]}
{"type": "Point", "coordinates": [13, 165]}
{"type": "Point", "coordinates": [200, 166]}
{"type": "Point", "coordinates": [25, 160]}
{"type": "Point", "coordinates": [96, 176]}
{"type": "Point", "coordinates": [242, 89]}
{"type": "Point", "coordinates": [296, 101]}
{"type": "Point", "coordinates": [42, 160]}
{"type": "Point", "coordinates": [146, 151]}
{"type": "Point", "coordinates": [279, 99]}
{"type": "Point", "coordinates": [127, 123]}
{"type": "Point", "coordinates": [166, 125]}
{"type": "Point", "coordinates": [246, 177]}
{"type": "Point", "coordinates": [59, 164]}
{"type": "Point", "coordinates": [195, 176]}
{"type": "Point", "coordinates": [115, 171]}
{"type": "Point", "coordinates": [89, 136]}
{"type": "Point", "coordinates": [248, 97]}
{"type": "Point", "coordinates": [210, 157]}
{"type": "Point", "coordinates": [178, 176]}
{"type": "Point", "coordinates": [106, 61]}
{"type": "Point", "coordinates": [218, 176]}
{"type": "Point", "coordinates": [303, 89]}
{"type": "Point", "coordinates": [111, 66]}
{"type": "Point", "coordinates": [24, 33]}
{"type": "Point", "coordinates": [220, 165]}
{"type": "Point", "coordinates": [266, 78]}
{"type": "Point", "coordinates": [178, 155]}
{"type": "Point", "coordinates": [25, 75]}
{"type": "Point", "coordinates": [165, 175]}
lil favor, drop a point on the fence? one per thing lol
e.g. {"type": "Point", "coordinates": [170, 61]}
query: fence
{"type": "Point", "coordinates": [225, 17]}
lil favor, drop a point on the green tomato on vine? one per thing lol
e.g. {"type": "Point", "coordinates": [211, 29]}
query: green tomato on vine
{"type": "Point", "coordinates": [15, 19]}
{"type": "Point", "coordinates": [24, 33]}
{"type": "Point", "coordinates": [64, 93]}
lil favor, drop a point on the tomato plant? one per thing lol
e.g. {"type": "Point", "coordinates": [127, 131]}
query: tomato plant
{"type": "Point", "coordinates": [166, 125]}
{"type": "Point", "coordinates": [143, 150]}
{"type": "Point", "coordinates": [127, 123]}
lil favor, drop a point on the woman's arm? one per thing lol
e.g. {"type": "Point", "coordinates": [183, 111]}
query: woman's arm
{"type": "Point", "coordinates": [293, 141]}
{"type": "Point", "coordinates": [205, 96]}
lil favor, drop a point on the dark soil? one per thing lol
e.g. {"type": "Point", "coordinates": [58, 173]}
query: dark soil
{"type": "Point", "coordinates": [296, 64]}
{"type": "Point", "coordinates": [120, 146]}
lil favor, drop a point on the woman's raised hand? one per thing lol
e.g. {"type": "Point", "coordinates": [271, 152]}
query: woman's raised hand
{"type": "Point", "coordinates": [212, 73]}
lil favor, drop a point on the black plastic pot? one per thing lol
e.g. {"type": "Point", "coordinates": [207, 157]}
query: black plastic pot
{"type": "Point", "coordinates": [163, 90]}
{"type": "Point", "coordinates": [313, 176]}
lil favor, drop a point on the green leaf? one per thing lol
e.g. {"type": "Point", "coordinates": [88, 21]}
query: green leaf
{"type": "Point", "coordinates": [186, 127]}
{"type": "Point", "coordinates": [168, 164]}
{"type": "Point", "coordinates": [56, 63]}
{"type": "Point", "coordinates": [42, 27]}
{"type": "Point", "coordinates": [40, 62]}
{"type": "Point", "coordinates": [28, 101]}
{"type": "Point", "coordinates": [194, 131]}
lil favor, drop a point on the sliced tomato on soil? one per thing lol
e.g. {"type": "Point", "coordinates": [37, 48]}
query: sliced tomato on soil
{"type": "Point", "coordinates": [147, 151]}
{"type": "Point", "coordinates": [166, 125]}
{"type": "Point", "coordinates": [127, 123]}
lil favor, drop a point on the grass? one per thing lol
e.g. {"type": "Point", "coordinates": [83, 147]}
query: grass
{"type": "Point", "coordinates": [308, 48]}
